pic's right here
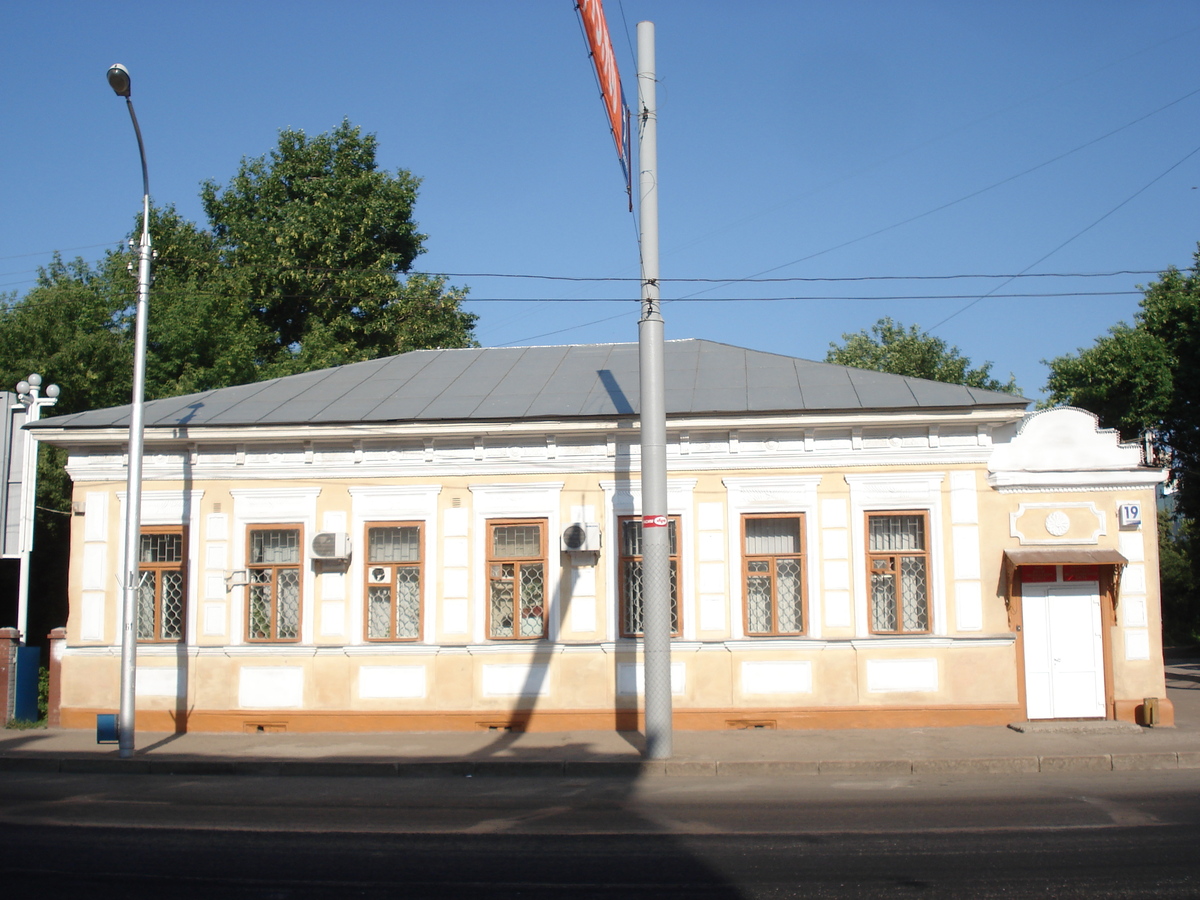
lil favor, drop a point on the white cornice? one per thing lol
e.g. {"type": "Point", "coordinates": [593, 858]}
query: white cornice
{"type": "Point", "coordinates": [1039, 482]}
{"type": "Point", "coordinates": [268, 434]}
{"type": "Point", "coordinates": [84, 470]}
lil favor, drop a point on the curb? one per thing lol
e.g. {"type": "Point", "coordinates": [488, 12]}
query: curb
{"type": "Point", "coordinates": [495, 768]}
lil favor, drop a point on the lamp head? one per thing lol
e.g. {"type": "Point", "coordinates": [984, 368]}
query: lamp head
{"type": "Point", "coordinates": [118, 80]}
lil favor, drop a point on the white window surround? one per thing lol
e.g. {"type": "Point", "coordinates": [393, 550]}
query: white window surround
{"type": "Point", "coordinates": [624, 498]}
{"type": "Point", "coordinates": [516, 500]}
{"type": "Point", "coordinates": [168, 508]}
{"type": "Point", "coordinates": [274, 506]}
{"type": "Point", "coordinates": [393, 503]}
{"type": "Point", "coordinates": [886, 492]}
{"type": "Point", "coordinates": [795, 494]}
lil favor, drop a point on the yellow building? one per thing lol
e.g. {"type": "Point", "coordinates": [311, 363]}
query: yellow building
{"type": "Point", "coordinates": [450, 540]}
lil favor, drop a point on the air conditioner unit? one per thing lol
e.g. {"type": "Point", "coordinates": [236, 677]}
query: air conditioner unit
{"type": "Point", "coordinates": [377, 575]}
{"type": "Point", "coordinates": [331, 545]}
{"type": "Point", "coordinates": [581, 537]}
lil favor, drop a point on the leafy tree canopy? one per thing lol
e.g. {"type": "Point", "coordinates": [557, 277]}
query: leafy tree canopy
{"type": "Point", "coordinates": [891, 347]}
{"type": "Point", "coordinates": [1146, 377]}
{"type": "Point", "coordinates": [319, 237]}
{"type": "Point", "coordinates": [303, 264]}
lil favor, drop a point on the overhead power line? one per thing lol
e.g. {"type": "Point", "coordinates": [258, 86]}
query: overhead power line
{"type": "Point", "coordinates": [795, 278]}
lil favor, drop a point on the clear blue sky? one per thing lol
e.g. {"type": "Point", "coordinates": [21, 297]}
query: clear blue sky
{"type": "Point", "coordinates": [797, 139]}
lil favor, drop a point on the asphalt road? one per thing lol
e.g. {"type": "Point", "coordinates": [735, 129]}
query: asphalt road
{"type": "Point", "coordinates": [1109, 835]}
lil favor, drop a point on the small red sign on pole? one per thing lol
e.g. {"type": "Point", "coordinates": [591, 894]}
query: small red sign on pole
{"type": "Point", "coordinates": [654, 521]}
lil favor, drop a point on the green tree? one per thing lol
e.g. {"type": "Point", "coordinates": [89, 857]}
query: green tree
{"type": "Point", "coordinates": [201, 334]}
{"type": "Point", "coordinates": [318, 238]}
{"type": "Point", "coordinates": [1124, 378]}
{"type": "Point", "coordinates": [68, 329]}
{"type": "Point", "coordinates": [891, 347]}
{"type": "Point", "coordinates": [301, 265]}
{"type": "Point", "coordinates": [1145, 378]}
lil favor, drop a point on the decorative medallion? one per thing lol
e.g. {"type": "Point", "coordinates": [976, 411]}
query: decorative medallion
{"type": "Point", "coordinates": [1058, 523]}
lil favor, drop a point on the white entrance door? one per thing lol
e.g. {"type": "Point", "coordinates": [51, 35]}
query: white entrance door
{"type": "Point", "coordinates": [1064, 651]}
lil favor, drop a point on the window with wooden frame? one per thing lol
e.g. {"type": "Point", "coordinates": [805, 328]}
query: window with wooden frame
{"type": "Point", "coordinates": [773, 574]}
{"type": "Point", "coordinates": [898, 569]}
{"type": "Point", "coordinates": [630, 575]}
{"type": "Point", "coordinates": [273, 569]}
{"type": "Point", "coordinates": [394, 555]}
{"type": "Point", "coordinates": [162, 585]}
{"type": "Point", "coordinates": [516, 579]}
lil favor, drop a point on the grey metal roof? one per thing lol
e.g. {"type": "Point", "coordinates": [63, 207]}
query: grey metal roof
{"type": "Point", "coordinates": [587, 380]}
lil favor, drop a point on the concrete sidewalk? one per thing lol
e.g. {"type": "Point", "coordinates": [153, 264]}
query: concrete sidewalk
{"type": "Point", "coordinates": [1075, 747]}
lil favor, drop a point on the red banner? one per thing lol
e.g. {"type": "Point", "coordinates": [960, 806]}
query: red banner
{"type": "Point", "coordinates": [591, 12]}
{"type": "Point", "coordinates": [654, 521]}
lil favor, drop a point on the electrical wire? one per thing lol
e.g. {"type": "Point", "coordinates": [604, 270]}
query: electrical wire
{"type": "Point", "coordinates": [1128, 199]}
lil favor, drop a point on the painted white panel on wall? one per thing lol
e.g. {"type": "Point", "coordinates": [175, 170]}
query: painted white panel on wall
{"type": "Point", "coordinates": [454, 551]}
{"type": "Point", "coordinates": [270, 687]}
{"type": "Point", "coordinates": [583, 581]}
{"type": "Point", "coordinates": [1133, 581]}
{"type": "Point", "coordinates": [710, 517]}
{"type": "Point", "coordinates": [94, 575]}
{"type": "Point", "coordinates": [91, 619]}
{"type": "Point", "coordinates": [631, 678]}
{"type": "Point", "coordinates": [95, 516]}
{"type": "Point", "coordinates": [777, 677]}
{"type": "Point", "coordinates": [966, 551]}
{"type": "Point", "coordinates": [515, 680]}
{"type": "Point", "coordinates": [835, 543]}
{"type": "Point", "coordinates": [583, 614]}
{"type": "Point", "coordinates": [455, 583]}
{"type": "Point", "coordinates": [1133, 609]}
{"type": "Point", "coordinates": [583, 598]}
{"type": "Point", "coordinates": [333, 586]}
{"type": "Point", "coordinates": [964, 505]}
{"type": "Point", "coordinates": [391, 682]}
{"type": "Point", "coordinates": [833, 513]}
{"type": "Point", "coordinates": [276, 504]}
{"type": "Point", "coordinates": [333, 618]}
{"type": "Point", "coordinates": [217, 528]}
{"type": "Point", "coordinates": [454, 522]}
{"type": "Point", "coordinates": [968, 606]}
{"type": "Point", "coordinates": [1137, 643]}
{"type": "Point", "coordinates": [214, 619]}
{"type": "Point", "coordinates": [836, 575]}
{"type": "Point", "coordinates": [454, 615]}
{"type": "Point", "coordinates": [157, 682]}
{"type": "Point", "coordinates": [712, 612]}
{"type": "Point", "coordinates": [837, 609]}
{"type": "Point", "coordinates": [1132, 545]}
{"type": "Point", "coordinates": [892, 675]}
{"type": "Point", "coordinates": [216, 556]}
{"type": "Point", "coordinates": [712, 546]}
{"type": "Point", "coordinates": [712, 577]}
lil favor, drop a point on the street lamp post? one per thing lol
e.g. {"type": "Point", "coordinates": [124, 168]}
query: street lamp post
{"type": "Point", "coordinates": [118, 79]}
{"type": "Point", "coordinates": [29, 393]}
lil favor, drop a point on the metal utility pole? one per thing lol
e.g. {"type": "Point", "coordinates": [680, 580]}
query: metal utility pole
{"type": "Point", "coordinates": [656, 547]}
{"type": "Point", "coordinates": [118, 79]}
